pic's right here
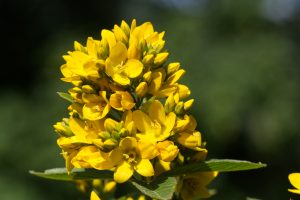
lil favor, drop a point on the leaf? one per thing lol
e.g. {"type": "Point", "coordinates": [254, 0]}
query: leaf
{"type": "Point", "coordinates": [61, 174]}
{"type": "Point", "coordinates": [161, 189]}
{"type": "Point", "coordinates": [220, 165]}
{"type": "Point", "coordinates": [66, 96]}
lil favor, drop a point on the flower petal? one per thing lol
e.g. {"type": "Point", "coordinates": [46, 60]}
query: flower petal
{"type": "Point", "coordinates": [109, 37]}
{"type": "Point", "coordinates": [144, 168]}
{"type": "Point", "coordinates": [157, 112]}
{"type": "Point", "coordinates": [121, 79]}
{"type": "Point", "coordinates": [123, 172]}
{"type": "Point", "coordinates": [94, 196]}
{"type": "Point", "coordinates": [118, 53]}
{"type": "Point", "coordinates": [128, 143]}
{"type": "Point", "coordinates": [295, 180]}
{"type": "Point", "coordinates": [142, 121]}
{"type": "Point", "coordinates": [133, 68]}
{"type": "Point", "coordinates": [77, 127]}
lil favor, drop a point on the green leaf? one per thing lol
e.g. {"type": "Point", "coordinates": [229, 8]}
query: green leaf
{"type": "Point", "coordinates": [66, 96]}
{"type": "Point", "coordinates": [161, 189]}
{"type": "Point", "coordinates": [220, 165]}
{"type": "Point", "coordinates": [61, 174]}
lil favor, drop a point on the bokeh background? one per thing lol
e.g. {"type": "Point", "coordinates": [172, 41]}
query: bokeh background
{"type": "Point", "coordinates": [243, 67]}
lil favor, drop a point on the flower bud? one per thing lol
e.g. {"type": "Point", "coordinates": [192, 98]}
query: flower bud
{"type": "Point", "coordinates": [63, 129]}
{"type": "Point", "coordinates": [179, 108]}
{"type": "Point", "coordinates": [141, 89]}
{"type": "Point", "coordinates": [172, 68]}
{"type": "Point", "coordinates": [190, 140]}
{"type": "Point", "coordinates": [148, 59]}
{"type": "Point", "coordinates": [169, 104]}
{"type": "Point", "coordinates": [161, 58]}
{"type": "Point", "coordinates": [88, 89]}
{"type": "Point", "coordinates": [109, 144]}
{"type": "Point", "coordinates": [147, 77]}
{"type": "Point", "coordinates": [110, 187]}
{"type": "Point", "coordinates": [188, 104]}
{"type": "Point", "coordinates": [167, 151]}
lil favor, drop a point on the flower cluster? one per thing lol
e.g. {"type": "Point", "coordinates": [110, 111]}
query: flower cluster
{"type": "Point", "coordinates": [128, 111]}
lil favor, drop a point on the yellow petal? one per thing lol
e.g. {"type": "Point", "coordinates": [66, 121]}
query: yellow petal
{"type": "Point", "coordinates": [116, 156]}
{"type": "Point", "coordinates": [141, 89]}
{"type": "Point", "coordinates": [167, 151]}
{"type": "Point", "coordinates": [161, 58]}
{"type": "Point", "coordinates": [94, 196]}
{"type": "Point", "coordinates": [183, 91]}
{"type": "Point", "coordinates": [144, 168]}
{"type": "Point", "coordinates": [157, 112]}
{"type": "Point", "coordinates": [295, 180]}
{"type": "Point", "coordinates": [188, 140]}
{"type": "Point", "coordinates": [142, 121]}
{"type": "Point", "coordinates": [110, 124]}
{"type": "Point", "coordinates": [133, 50]}
{"type": "Point", "coordinates": [175, 77]}
{"type": "Point", "coordinates": [128, 143]}
{"type": "Point", "coordinates": [121, 79]}
{"type": "Point", "coordinates": [133, 68]}
{"type": "Point", "coordinates": [95, 111]}
{"type": "Point", "coordinates": [147, 148]}
{"type": "Point", "coordinates": [127, 101]}
{"type": "Point", "coordinates": [294, 191]}
{"type": "Point", "coordinates": [173, 67]}
{"type": "Point", "coordinates": [77, 126]}
{"type": "Point", "coordinates": [168, 125]}
{"type": "Point", "coordinates": [118, 53]}
{"type": "Point", "coordinates": [156, 82]}
{"type": "Point", "coordinates": [123, 172]}
{"type": "Point", "coordinates": [109, 37]}
{"type": "Point", "coordinates": [119, 34]}
{"type": "Point", "coordinates": [115, 101]}
{"type": "Point", "coordinates": [161, 167]}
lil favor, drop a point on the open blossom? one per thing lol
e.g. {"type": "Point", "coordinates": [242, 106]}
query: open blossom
{"type": "Point", "coordinates": [129, 112]}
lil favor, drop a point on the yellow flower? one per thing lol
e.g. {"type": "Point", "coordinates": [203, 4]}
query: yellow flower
{"type": "Point", "coordinates": [94, 196]}
{"type": "Point", "coordinates": [119, 67]}
{"type": "Point", "coordinates": [195, 185]}
{"type": "Point", "coordinates": [156, 123]}
{"type": "Point", "coordinates": [92, 157]}
{"type": "Point", "coordinates": [95, 107]}
{"type": "Point", "coordinates": [167, 151]}
{"type": "Point", "coordinates": [121, 100]}
{"type": "Point", "coordinates": [132, 155]}
{"type": "Point", "coordinates": [295, 181]}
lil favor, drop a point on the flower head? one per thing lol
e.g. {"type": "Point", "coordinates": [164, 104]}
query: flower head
{"type": "Point", "coordinates": [128, 112]}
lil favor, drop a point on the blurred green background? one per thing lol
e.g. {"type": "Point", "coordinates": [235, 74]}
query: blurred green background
{"type": "Point", "coordinates": [243, 67]}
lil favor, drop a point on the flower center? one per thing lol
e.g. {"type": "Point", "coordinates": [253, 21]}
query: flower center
{"type": "Point", "coordinates": [130, 157]}
{"type": "Point", "coordinates": [120, 68]}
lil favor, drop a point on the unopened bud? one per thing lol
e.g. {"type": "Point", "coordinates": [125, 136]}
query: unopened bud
{"type": "Point", "coordinates": [179, 108]}
{"type": "Point", "coordinates": [173, 67]}
{"type": "Point", "coordinates": [110, 187]}
{"type": "Point", "coordinates": [147, 76]}
{"type": "Point", "coordinates": [161, 58]}
{"type": "Point", "coordinates": [188, 104]}
{"type": "Point", "coordinates": [148, 59]}
{"type": "Point", "coordinates": [88, 89]}
{"type": "Point", "coordinates": [141, 89]}
{"type": "Point", "coordinates": [110, 144]}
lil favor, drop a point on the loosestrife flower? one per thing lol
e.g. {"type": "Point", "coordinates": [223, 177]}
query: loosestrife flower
{"type": "Point", "coordinates": [129, 113]}
{"type": "Point", "coordinates": [295, 181]}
